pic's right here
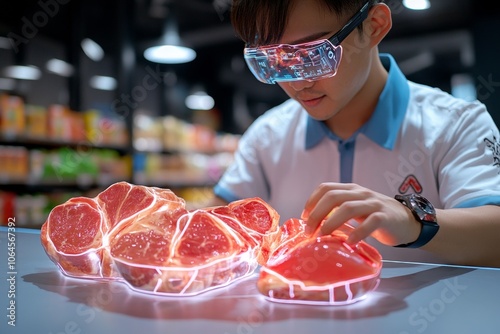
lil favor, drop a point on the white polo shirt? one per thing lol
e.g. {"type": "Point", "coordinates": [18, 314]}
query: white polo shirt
{"type": "Point", "coordinates": [418, 140]}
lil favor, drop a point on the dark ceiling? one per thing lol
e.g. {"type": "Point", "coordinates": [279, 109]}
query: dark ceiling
{"type": "Point", "coordinates": [205, 25]}
{"type": "Point", "coordinates": [199, 19]}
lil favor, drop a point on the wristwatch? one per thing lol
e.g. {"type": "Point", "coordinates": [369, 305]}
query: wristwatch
{"type": "Point", "coordinates": [425, 214]}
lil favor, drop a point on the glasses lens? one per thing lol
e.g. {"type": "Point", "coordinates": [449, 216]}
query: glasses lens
{"type": "Point", "coordinates": [308, 61]}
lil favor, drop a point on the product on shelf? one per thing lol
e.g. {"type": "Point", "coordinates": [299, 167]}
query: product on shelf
{"type": "Point", "coordinates": [66, 164]}
{"type": "Point", "coordinates": [58, 123]}
{"type": "Point", "coordinates": [14, 164]}
{"type": "Point", "coordinates": [112, 166]}
{"type": "Point", "coordinates": [57, 127]}
{"type": "Point", "coordinates": [104, 129]}
{"type": "Point", "coordinates": [12, 121]}
{"type": "Point", "coordinates": [168, 133]}
{"type": "Point", "coordinates": [36, 122]}
{"type": "Point", "coordinates": [175, 170]}
{"type": "Point", "coordinates": [85, 167]}
{"type": "Point", "coordinates": [62, 165]}
{"type": "Point", "coordinates": [44, 150]}
{"type": "Point", "coordinates": [7, 210]}
{"type": "Point", "coordinates": [183, 136]}
{"type": "Point", "coordinates": [174, 153]}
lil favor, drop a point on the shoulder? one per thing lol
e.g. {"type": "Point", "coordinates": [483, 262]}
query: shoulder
{"type": "Point", "coordinates": [439, 119]}
{"type": "Point", "coordinates": [435, 109]}
{"type": "Point", "coordinates": [431, 100]}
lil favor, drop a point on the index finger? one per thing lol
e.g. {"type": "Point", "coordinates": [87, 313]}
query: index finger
{"type": "Point", "coordinates": [325, 198]}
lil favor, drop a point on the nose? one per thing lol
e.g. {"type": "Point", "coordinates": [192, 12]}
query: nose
{"type": "Point", "coordinates": [300, 84]}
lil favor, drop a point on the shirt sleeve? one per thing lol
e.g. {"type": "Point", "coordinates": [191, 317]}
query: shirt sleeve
{"type": "Point", "coordinates": [469, 171]}
{"type": "Point", "coordinates": [245, 177]}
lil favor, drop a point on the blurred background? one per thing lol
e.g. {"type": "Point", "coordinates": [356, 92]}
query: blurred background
{"type": "Point", "coordinates": [82, 107]}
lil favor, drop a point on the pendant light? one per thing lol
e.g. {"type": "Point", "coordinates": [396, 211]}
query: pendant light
{"type": "Point", "coordinates": [22, 72]}
{"type": "Point", "coordinates": [92, 50]}
{"type": "Point", "coordinates": [417, 4]}
{"type": "Point", "coordinates": [199, 99]}
{"type": "Point", "coordinates": [170, 49]}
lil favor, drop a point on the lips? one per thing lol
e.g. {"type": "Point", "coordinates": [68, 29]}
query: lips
{"type": "Point", "coordinates": [312, 102]}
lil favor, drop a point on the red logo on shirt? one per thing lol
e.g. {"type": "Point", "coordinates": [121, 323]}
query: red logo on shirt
{"type": "Point", "coordinates": [410, 182]}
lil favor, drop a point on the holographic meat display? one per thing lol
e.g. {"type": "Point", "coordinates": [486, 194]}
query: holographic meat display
{"type": "Point", "coordinates": [145, 237]}
{"type": "Point", "coordinates": [318, 269]}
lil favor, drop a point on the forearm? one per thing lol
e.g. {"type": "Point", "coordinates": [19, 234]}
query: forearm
{"type": "Point", "coordinates": [468, 236]}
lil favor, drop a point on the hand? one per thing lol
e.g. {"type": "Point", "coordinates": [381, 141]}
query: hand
{"type": "Point", "coordinates": [381, 216]}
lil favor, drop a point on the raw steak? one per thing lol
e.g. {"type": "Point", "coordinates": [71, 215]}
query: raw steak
{"type": "Point", "coordinates": [146, 237]}
{"type": "Point", "coordinates": [318, 270]}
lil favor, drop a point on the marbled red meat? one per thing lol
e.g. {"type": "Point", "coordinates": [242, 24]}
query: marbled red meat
{"type": "Point", "coordinates": [318, 270]}
{"type": "Point", "coordinates": [74, 238]}
{"type": "Point", "coordinates": [146, 237]}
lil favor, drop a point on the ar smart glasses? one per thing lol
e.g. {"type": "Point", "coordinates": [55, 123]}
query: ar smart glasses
{"type": "Point", "coordinates": [306, 61]}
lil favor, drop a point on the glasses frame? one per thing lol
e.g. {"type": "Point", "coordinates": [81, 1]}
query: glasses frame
{"type": "Point", "coordinates": [334, 40]}
{"type": "Point", "coordinates": [352, 24]}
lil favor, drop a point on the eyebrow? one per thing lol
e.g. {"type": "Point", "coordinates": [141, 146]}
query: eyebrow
{"type": "Point", "coordinates": [310, 38]}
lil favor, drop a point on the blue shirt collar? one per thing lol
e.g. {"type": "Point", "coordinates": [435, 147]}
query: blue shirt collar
{"type": "Point", "coordinates": [385, 122]}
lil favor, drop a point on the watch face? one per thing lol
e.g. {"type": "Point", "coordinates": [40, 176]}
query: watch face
{"type": "Point", "coordinates": [424, 212]}
{"type": "Point", "coordinates": [423, 204]}
{"type": "Point", "coordinates": [423, 208]}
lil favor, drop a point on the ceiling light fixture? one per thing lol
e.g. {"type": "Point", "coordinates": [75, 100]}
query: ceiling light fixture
{"type": "Point", "coordinates": [59, 67]}
{"type": "Point", "coordinates": [200, 101]}
{"type": "Point", "coordinates": [170, 49]}
{"type": "Point", "coordinates": [22, 72]}
{"type": "Point", "coordinates": [417, 4]}
{"type": "Point", "coordinates": [103, 82]}
{"type": "Point", "coordinates": [93, 50]}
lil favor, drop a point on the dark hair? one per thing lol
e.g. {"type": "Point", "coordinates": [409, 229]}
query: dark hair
{"type": "Point", "coordinates": [261, 22]}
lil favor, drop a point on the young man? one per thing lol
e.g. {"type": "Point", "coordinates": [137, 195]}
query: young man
{"type": "Point", "coordinates": [355, 134]}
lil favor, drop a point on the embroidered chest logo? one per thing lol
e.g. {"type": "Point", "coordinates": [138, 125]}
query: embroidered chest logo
{"type": "Point", "coordinates": [494, 146]}
{"type": "Point", "coordinates": [410, 182]}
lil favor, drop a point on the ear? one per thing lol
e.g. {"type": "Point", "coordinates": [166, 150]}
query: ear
{"type": "Point", "coordinates": [378, 23]}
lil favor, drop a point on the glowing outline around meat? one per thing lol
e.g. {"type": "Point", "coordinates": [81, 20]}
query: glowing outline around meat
{"type": "Point", "coordinates": [279, 287]}
{"type": "Point", "coordinates": [173, 276]}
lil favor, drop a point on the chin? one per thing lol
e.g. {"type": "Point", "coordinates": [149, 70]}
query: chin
{"type": "Point", "coordinates": [320, 115]}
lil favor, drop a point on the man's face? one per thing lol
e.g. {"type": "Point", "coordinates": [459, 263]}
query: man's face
{"type": "Point", "coordinates": [323, 99]}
